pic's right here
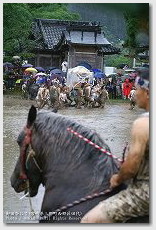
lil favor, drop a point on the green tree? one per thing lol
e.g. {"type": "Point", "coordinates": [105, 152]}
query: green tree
{"type": "Point", "coordinates": [16, 27]}
{"type": "Point", "coordinates": [137, 22]}
{"type": "Point", "coordinates": [52, 11]}
{"type": "Point", "coordinates": [116, 60]}
{"type": "Point", "coordinates": [132, 30]}
{"type": "Point", "coordinates": [16, 20]}
{"type": "Point", "coordinates": [17, 24]}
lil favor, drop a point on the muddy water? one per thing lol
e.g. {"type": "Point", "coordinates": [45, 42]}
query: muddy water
{"type": "Point", "coordinates": [112, 123]}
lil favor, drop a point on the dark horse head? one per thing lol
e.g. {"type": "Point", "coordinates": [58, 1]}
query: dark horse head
{"type": "Point", "coordinates": [68, 167]}
{"type": "Point", "coordinates": [25, 170]}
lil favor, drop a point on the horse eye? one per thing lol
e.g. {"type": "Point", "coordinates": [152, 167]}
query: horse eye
{"type": "Point", "coordinates": [20, 137]}
{"type": "Point", "coordinates": [18, 142]}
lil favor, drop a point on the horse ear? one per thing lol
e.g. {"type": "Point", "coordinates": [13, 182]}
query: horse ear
{"type": "Point", "coordinates": [31, 116]}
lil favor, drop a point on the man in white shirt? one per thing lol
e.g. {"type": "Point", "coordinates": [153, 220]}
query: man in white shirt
{"type": "Point", "coordinates": [64, 67]}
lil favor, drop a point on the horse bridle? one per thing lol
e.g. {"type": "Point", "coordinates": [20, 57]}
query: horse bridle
{"type": "Point", "coordinates": [24, 157]}
{"type": "Point", "coordinates": [31, 154]}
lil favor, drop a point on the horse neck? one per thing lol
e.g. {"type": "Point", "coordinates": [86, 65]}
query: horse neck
{"type": "Point", "coordinates": [65, 169]}
{"type": "Point", "coordinates": [65, 185]}
{"type": "Point", "coordinates": [64, 173]}
{"type": "Point", "coordinates": [76, 180]}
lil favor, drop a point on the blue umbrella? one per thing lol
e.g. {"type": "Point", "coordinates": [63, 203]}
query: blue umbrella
{"type": "Point", "coordinates": [96, 70]}
{"type": "Point", "coordinates": [40, 69]}
{"type": "Point", "coordinates": [56, 72]}
{"type": "Point", "coordinates": [27, 65]}
{"type": "Point", "coordinates": [49, 69]}
{"type": "Point", "coordinates": [8, 64]}
{"type": "Point", "coordinates": [41, 80]}
{"type": "Point", "coordinates": [99, 75]}
{"type": "Point", "coordinates": [85, 64]}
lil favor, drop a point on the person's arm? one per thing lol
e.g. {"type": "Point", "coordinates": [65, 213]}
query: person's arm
{"type": "Point", "coordinates": [129, 95]}
{"type": "Point", "coordinates": [59, 93]}
{"type": "Point", "coordinates": [107, 95]}
{"type": "Point", "coordinates": [139, 139]}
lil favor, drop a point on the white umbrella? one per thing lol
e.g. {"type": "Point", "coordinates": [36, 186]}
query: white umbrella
{"type": "Point", "coordinates": [40, 74]}
{"type": "Point", "coordinates": [16, 57]}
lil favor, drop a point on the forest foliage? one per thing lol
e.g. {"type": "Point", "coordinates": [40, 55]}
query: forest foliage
{"type": "Point", "coordinates": [17, 24]}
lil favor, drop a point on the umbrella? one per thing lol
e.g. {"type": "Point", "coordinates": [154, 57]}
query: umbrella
{"type": "Point", "coordinates": [31, 70]}
{"type": "Point", "coordinates": [41, 78]}
{"type": "Point", "coordinates": [40, 74]}
{"type": "Point", "coordinates": [27, 65]}
{"type": "Point", "coordinates": [50, 68]}
{"type": "Point", "coordinates": [99, 75]}
{"type": "Point", "coordinates": [40, 69]}
{"type": "Point", "coordinates": [19, 81]}
{"type": "Point", "coordinates": [85, 64]}
{"type": "Point", "coordinates": [96, 70]}
{"type": "Point", "coordinates": [16, 57]}
{"type": "Point", "coordinates": [56, 72]}
{"type": "Point", "coordinates": [8, 64]}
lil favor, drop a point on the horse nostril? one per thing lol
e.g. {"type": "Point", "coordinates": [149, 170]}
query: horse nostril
{"type": "Point", "coordinates": [22, 188]}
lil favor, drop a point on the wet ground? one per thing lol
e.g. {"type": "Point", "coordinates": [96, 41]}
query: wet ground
{"type": "Point", "coordinates": [113, 123]}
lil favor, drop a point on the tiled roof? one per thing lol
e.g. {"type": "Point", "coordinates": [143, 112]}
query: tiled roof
{"type": "Point", "coordinates": [51, 33]}
{"type": "Point", "coordinates": [38, 36]}
{"type": "Point", "coordinates": [109, 49]}
{"type": "Point", "coordinates": [91, 38]}
{"type": "Point", "coordinates": [52, 36]}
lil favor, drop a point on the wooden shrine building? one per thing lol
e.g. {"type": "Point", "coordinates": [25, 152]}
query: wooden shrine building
{"type": "Point", "coordinates": [73, 41]}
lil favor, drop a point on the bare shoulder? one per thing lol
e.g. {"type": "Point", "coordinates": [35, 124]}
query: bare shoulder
{"type": "Point", "coordinates": [141, 127]}
{"type": "Point", "coordinates": [141, 122]}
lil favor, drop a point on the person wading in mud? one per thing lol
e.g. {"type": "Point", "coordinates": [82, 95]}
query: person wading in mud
{"type": "Point", "coordinates": [133, 201]}
{"type": "Point", "coordinates": [131, 97]}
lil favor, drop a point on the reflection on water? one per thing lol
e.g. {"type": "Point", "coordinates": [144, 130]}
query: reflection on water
{"type": "Point", "coordinates": [112, 123]}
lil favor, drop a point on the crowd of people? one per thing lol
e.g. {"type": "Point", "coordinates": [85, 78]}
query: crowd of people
{"type": "Point", "coordinates": [54, 91]}
{"type": "Point", "coordinates": [84, 94]}
{"type": "Point", "coordinates": [92, 94]}
{"type": "Point", "coordinates": [58, 94]}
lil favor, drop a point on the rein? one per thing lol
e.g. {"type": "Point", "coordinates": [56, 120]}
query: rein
{"type": "Point", "coordinates": [89, 197]}
{"type": "Point", "coordinates": [97, 146]}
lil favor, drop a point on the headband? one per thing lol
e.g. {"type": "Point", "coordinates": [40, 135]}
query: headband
{"type": "Point", "coordinates": [143, 83]}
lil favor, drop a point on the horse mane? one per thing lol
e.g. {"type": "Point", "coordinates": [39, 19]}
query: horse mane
{"type": "Point", "coordinates": [61, 147]}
